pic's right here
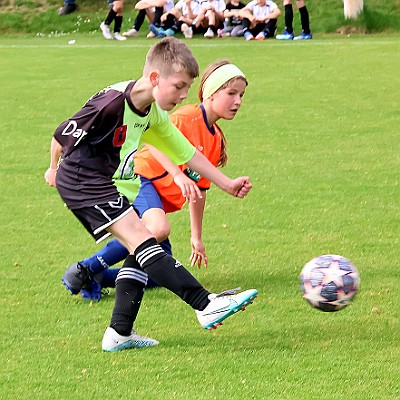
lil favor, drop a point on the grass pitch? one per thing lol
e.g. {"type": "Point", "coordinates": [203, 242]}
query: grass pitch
{"type": "Point", "coordinates": [317, 134]}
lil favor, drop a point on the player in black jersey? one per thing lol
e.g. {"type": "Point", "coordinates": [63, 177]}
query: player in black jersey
{"type": "Point", "coordinates": [97, 144]}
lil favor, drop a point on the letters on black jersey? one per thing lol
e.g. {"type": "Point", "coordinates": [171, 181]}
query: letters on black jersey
{"type": "Point", "coordinates": [72, 129]}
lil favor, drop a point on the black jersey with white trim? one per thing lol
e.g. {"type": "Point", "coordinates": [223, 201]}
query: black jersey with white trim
{"type": "Point", "coordinates": [100, 140]}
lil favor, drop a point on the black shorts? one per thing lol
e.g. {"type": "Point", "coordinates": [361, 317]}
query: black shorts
{"type": "Point", "coordinates": [96, 219]}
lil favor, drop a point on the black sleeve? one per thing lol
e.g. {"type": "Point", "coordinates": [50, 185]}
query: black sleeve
{"type": "Point", "coordinates": [72, 131]}
{"type": "Point", "coordinates": [94, 123]}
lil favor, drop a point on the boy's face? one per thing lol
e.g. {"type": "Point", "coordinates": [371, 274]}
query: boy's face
{"type": "Point", "coordinates": [172, 90]}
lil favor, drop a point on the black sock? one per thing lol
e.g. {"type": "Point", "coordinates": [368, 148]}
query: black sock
{"type": "Point", "coordinates": [305, 20]}
{"type": "Point", "coordinates": [270, 28]}
{"type": "Point", "coordinates": [289, 18]}
{"type": "Point", "coordinates": [129, 289]}
{"type": "Point", "coordinates": [169, 22]}
{"type": "Point", "coordinates": [177, 26]}
{"type": "Point", "coordinates": [118, 24]}
{"type": "Point", "coordinates": [110, 17]}
{"type": "Point", "coordinates": [213, 28]}
{"type": "Point", "coordinates": [159, 11]}
{"type": "Point", "coordinates": [140, 17]}
{"type": "Point", "coordinates": [168, 272]}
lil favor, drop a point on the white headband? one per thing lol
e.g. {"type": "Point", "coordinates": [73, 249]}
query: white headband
{"type": "Point", "coordinates": [219, 77]}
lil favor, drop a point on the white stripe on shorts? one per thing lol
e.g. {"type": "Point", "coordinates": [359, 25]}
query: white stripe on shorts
{"type": "Point", "coordinates": [111, 221]}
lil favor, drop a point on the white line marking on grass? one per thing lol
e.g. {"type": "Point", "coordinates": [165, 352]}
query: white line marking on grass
{"type": "Point", "coordinates": [235, 43]}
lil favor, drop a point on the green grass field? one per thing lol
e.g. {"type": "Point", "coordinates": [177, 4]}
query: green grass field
{"type": "Point", "coordinates": [40, 17]}
{"type": "Point", "coordinates": [318, 136]}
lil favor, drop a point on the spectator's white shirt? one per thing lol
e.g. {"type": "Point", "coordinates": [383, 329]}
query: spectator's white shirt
{"type": "Point", "coordinates": [169, 5]}
{"type": "Point", "coordinates": [261, 12]}
{"type": "Point", "coordinates": [217, 5]}
{"type": "Point", "coordinates": [195, 6]}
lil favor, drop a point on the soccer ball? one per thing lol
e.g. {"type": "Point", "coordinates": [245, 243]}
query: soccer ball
{"type": "Point", "coordinates": [329, 282]}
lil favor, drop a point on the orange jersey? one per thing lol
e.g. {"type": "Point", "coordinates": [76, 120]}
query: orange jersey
{"type": "Point", "coordinates": [191, 121]}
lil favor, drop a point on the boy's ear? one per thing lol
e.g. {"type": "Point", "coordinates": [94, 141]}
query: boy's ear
{"type": "Point", "coordinates": [154, 78]}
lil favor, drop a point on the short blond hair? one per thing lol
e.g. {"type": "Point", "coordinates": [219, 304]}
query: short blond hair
{"type": "Point", "coordinates": [170, 55]}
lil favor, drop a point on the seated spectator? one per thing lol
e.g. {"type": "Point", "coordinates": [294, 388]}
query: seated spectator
{"type": "Point", "coordinates": [259, 19]}
{"type": "Point", "coordinates": [232, 18]}
{"type": "Point", "coordinates": [211, 17]}
{"type": "Point", "coordinates": [178, 19]}
{"type": "Point", "coordinates": [153, 9]}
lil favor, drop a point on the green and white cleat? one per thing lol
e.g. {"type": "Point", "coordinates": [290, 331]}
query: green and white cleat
{"type": "Point", "coordinates": [223, 305]}
{"type": "Point", "coordinates": [113, 341]}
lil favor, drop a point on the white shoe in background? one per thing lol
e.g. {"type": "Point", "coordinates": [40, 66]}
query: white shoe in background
{"type": "Point", "coordinates": [105, 29]}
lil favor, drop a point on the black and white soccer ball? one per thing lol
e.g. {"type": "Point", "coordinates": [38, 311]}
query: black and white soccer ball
{"type": "Point", "coordinates": [329, 282]}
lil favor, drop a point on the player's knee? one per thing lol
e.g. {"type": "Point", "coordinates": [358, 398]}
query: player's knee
{"type": "Point", "coordinates": [118, 7]}
{"type": "Point", "coordinates": [160, 231]}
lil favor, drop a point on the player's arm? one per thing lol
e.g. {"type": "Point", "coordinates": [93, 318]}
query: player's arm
{"type": "Point", "coordinates": [275, 14]}
{"type": "Point", "coordinates": [188, 187]}
{"type": "Point", "coordinates": [69, 134]}
{"type": "Point", "coordinates": [238, 187]}
{"type": "Point", "coordinates": [191, 14]}
{"type": "Point", "coordinates": [231, 13]}
{"type": "Point", "coordinates": [198, 255]}
{"type": "Point", "coordinates": [55, 154]}
{"type": "Point", "coordinates": [246, 13]}
{"type": "Point", "coordinates": [170, 141]}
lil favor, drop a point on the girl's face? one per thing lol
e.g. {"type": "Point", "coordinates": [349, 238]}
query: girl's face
{"type": "Point", "coordinates": [226, 102]}
{"type": "Point", "coordinates": [170, 91]}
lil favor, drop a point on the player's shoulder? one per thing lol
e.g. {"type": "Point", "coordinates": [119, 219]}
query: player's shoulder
{"type": "Point", "coordinates": [251, 5]}
{"type": "Point", "coordinates": [112, 96]}
{"type": "Point", "coordinates": [190, 114]}
{"type": "Point", "coordinates": [120, 86]}
{"type": "Point", "coordinates": [187, 110]}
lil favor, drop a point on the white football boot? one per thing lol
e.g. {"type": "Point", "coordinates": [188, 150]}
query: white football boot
{"type": "Point", "coordinates": [223, 305]}
{"type": "Point", "coordinates": [113, 341]}
{"type": "Point", "coordinates": [105, 30]}
{"type": "Point", "coordinates": [131, 33]}
{"type": "Point", "coordinates": [118, 36]}
{"type": "Point", "coordinates": [187, 31]}
{"type": "Point", "coordinates": [209, 34]}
